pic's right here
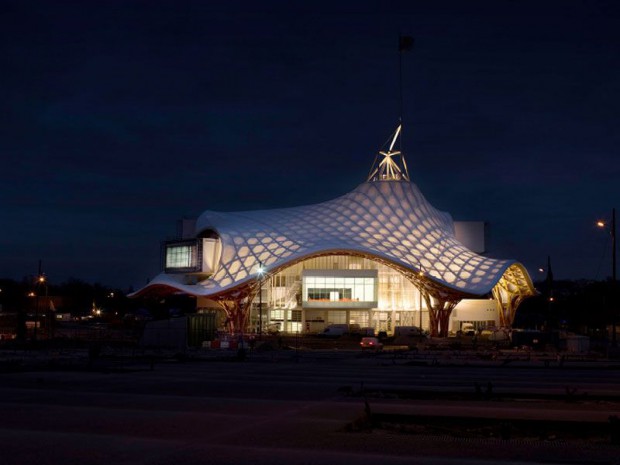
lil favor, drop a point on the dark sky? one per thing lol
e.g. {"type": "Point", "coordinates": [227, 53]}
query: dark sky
{"type": "Point", "coordinates": [119, 118]}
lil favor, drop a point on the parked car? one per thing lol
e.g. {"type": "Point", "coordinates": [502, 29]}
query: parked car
{"type": "Point", "coordinates": [334, 331]}
{"type": "Point", "coordinates": [468, 329]}
{"type": "Point", "coordinates": [371, 343]}
{"type": "Point", "coordinates": [408, 331]}
{"type": "Point", "coordinates": [496, 334]}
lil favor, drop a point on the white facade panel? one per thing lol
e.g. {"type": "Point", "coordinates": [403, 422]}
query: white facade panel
{"type": "Point", "coordinates": [479, 310]}
{"type": "Point", "coordinates": [210, 255]}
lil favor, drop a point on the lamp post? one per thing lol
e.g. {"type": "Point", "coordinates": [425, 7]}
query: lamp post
{"type": "Point", "coordinates": [601, 224]}
{"type": "Point", "coordinates": [33, 295]}
{"type": "Point", "coordinates": [421, 276]}
{"type": "Point", "coordinates": [261, 272]}
{"type": "Point", "coordinates": [420, 306]}
{"type": "Point", "coordinates": [549, 299]}
{"type": "Point", "coordinates": [40, 281]}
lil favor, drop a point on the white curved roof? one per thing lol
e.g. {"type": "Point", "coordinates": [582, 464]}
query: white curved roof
{"type": "Point", "coordinates": [389, 220]}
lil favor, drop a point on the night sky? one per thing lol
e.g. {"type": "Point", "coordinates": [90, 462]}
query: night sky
{"type": "Point", "coordinates": [119, 118]}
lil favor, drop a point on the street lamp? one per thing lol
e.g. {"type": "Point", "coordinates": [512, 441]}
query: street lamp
{"type": "Point", "coordinates": [420, 274]}
{"type": "Point", "coordinates": [41, 281]}
{"type": "Point", "coordinates": [602, 224]}
{"type": "Point", "coordinates": [260, 273]}
{"type": "Point", "coordinates": [549, 291]}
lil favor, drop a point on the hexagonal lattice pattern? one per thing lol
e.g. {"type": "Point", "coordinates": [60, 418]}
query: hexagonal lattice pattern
{"type": "Point", "coordinates": [390, 220]}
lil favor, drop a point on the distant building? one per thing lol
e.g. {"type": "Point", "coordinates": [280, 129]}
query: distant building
{"type": "Point", "coordinates": [380, 256]}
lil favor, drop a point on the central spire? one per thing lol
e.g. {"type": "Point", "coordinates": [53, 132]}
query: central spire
{"type": "Point", "coordinates": [388, 168]}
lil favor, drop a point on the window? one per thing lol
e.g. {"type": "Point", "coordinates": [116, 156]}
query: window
{"type": "Point", "coordinates": [329, 293]}
{"type": "Point", "coordinates": [345, 288]}
{"type": "Point", "coordinates": [180, 256]}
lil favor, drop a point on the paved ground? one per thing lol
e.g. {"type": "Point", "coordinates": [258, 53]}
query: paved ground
{"type": "Point", "coordinates": [284, 407]}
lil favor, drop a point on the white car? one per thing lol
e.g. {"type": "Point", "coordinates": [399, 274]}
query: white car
{"type": "Point", "coordinates": [468, 329]}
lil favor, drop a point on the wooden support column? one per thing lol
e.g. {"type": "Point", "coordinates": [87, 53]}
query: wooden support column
{"type": "Point", "coordinates": [433, 321]}
{"type": "Point", "coordinates": [237, 309]}
{"type": "Point", "coordinates": [439, 314]}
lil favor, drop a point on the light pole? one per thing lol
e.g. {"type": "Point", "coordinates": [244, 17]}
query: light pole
{"type": "Point", "coordinates": [261, 272]}
{"type": "Point", "coordinates": [548, 322]}
{"type": "Point", "coordinates": [601, 224]}
{"type": "Point", "coordinates": [420, 305]}
{"type": "Point", "coordinates": [40, 281]}
{"type": "Point", "coordinates": [421, 277]}
{"type": "Point", "coordinates": [35, 298]}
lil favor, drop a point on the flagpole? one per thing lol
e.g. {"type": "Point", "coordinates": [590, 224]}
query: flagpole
{"type": "Point", "coordinates": [400, 81]}
{"type": "Point", "coordinates": [405, 43]}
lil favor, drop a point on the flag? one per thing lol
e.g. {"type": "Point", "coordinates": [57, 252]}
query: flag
{"type": "Point", "coordinates": [405, 43]}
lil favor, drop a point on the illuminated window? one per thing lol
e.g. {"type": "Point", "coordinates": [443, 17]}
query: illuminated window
{"type": "Point", "coordinates": [277, 315]}
{"type": "Point", "coordinates": [182, 256]}
{"type": "Point", "coordinates": [341, 288]}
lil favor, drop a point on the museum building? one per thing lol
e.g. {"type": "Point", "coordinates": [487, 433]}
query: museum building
{"type": "Point", "coordinates": [379, 257]}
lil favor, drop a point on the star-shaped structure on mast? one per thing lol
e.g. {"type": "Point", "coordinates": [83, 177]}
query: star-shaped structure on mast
{"type": "Point", "coordinates": [388, 167]}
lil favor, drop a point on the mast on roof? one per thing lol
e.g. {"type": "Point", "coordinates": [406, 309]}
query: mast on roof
{"type": "Point", "coordinates": [390, 164]}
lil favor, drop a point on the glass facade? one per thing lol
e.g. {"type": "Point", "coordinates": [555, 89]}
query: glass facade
{"type": "Point", "coordinates": [338, 289]}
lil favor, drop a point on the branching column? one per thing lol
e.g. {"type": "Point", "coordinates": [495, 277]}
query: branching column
{"type": "Point", "coordinates": [439, 314]}
{"type": "Point", "coordinates": [237, 310]}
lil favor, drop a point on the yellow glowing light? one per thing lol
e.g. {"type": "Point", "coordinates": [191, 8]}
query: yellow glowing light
{"type": "Point", "coordinates": [601, 224]}
{"type": "Point", "coordinates": [395, 137]}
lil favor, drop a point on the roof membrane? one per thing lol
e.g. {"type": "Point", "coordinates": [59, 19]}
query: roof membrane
{"type": "Point", "coordinates": [387, 220]}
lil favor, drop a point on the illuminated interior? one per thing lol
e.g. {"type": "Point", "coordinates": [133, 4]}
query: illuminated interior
{"type": "Point", "coordinates": [336, 289]}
